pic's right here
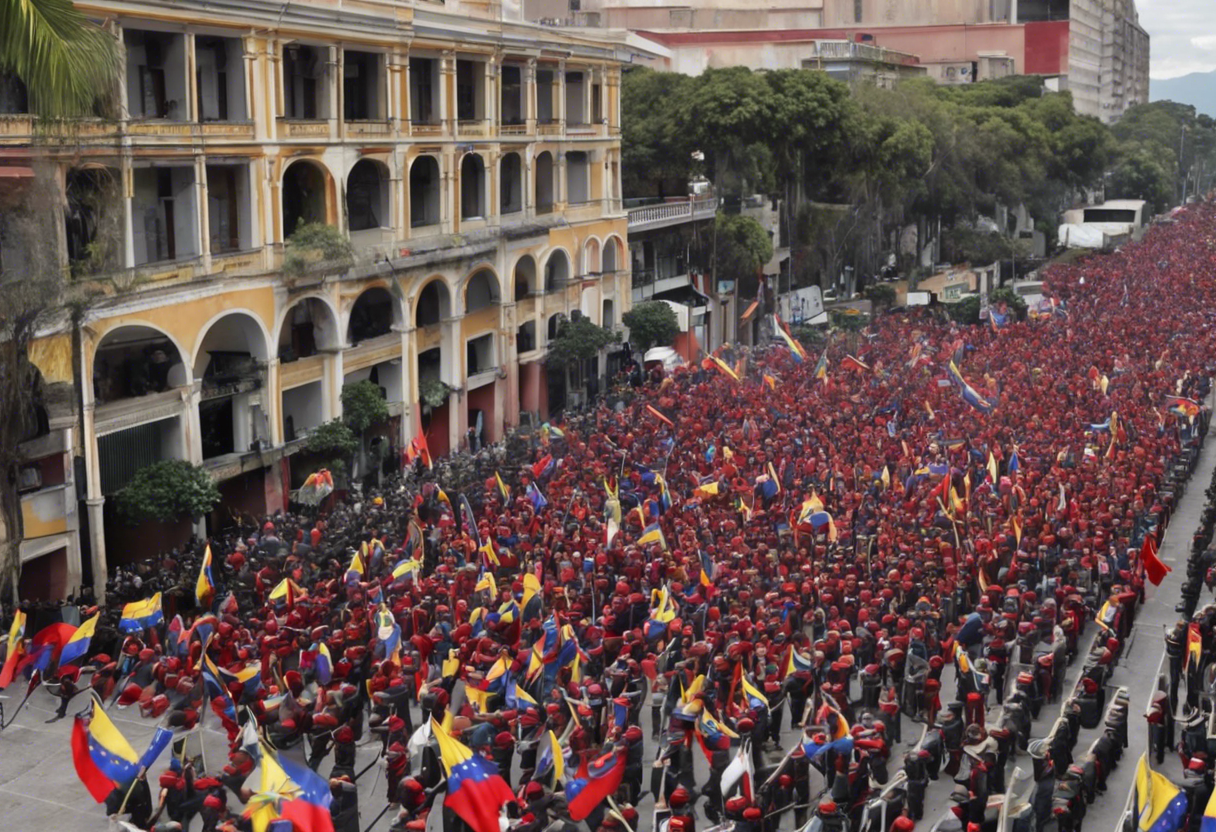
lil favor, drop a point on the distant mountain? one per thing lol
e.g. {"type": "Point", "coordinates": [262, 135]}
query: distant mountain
{"type": "Point", "coordinates": [1197, 89]}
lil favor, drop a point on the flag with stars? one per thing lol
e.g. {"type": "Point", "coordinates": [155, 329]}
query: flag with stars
{"type": "Point", "coordinates": [104, 759]}
{"type": "Point", "coordinates": [476, 792]}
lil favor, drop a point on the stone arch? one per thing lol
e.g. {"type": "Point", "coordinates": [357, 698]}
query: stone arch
{"type": "Point", "coordinates": [474, 188]}
{"type": "Point", "coordinates": [433, 302]}
{"type": "Point", "coordinates": [510, 183]}
{"type": "Point", "coordinates": [612, 255]}
{"type": "Point", "coordinates": [368, 195]}
{"type": "Point", "coordinates": [231, 331]}
{"type": "Point", "coordinates": [426, 184]}
{"type": "Point", "coordinates": [481, 289]}
{"type": "Point", "coordinates": [374, 313]}
{"type": "Point", "coordinates": [524, 277]}
{"type": "Point", "coordinates": [124, 363]}
{"type": "Point", "coordinates": [309, 324]}
{"type": "Point", "coordinates": [305, 194]}
{"type": "Point", "coordinates": [545, 190]}
{"type": "Point", "coordinates": [557, 268]}
{"type": "Point", "coordinates": [591, 255]}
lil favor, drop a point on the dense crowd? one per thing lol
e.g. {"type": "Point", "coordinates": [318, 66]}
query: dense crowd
{"type": "Point", "coordinates": [706, 565]}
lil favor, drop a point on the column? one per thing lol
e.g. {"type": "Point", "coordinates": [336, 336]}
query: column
{"type": "Point", "coordinates": [493, 213]}
{"type": "Point", "coordinates": [529, 82]}
{"type": "Point", "coordinates": [451, 370]}
{"type": "Point", "coordinates": [272, 403]}
{"type": "Point", "coordinates": [406, 94]}
{"type": "Point", "coordinates": [192, 103]}
{"type": "Point", "coordinates": [331, 384]}
{"type": "Point", "coordinates": [333, 82]}
{"type": "Point", "coordinates": [204, 219]}
{"type": "Point", "coordinates": [94, 501]}
{"type": "Point", "coordinates": [493, 93]}
{"type": "Point", "coordinates": [409, 395]}
{"type": "Point", "coordinates": [447, 92]}
{"type": "Point", "coordinates": [447, 193]}
{"type": "Point", "coordinates": [560, 197]}
{"type": "Point", "coordinates": [338, 86]}
{"type": "Point", "coordinates": [275, 88]}
{"type": "Point", "coordinates": [527, 159]}
{"type": "Point", "coordinates": [257, 107]}
{"type": "Point", "coordinates": [127, 176]}
{"type": "Point", "coordinates": [192, 436]}
{"type": "Point", "coordinates": [510, 363]}
{"type": "Point", "coordinates": [560, 111]}
{"type": "Point", "coordinates": [393, 111]}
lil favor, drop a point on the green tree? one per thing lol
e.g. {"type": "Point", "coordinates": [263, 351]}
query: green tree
{"type": "Point", "coordinates": [578, 341]}
{"type": "Point", "coordinates": [168, 490]}
{"type": "Point", "coordinates": [336, 443]}
{"type": "Point", "coordinates": [315, 245]}
{"type": "Point", "coordinates": [656, 155]}
{"type": "Point", "coordinates": [363, 405]}
{"type": "Point", "coordinates": [67, 63]}
{"type": "Point", "coordinates": [651, 324]}
{"type": "Point", "coordinates": [1141, 174]}
{"type": "Point", "coordinates": [741, 247]}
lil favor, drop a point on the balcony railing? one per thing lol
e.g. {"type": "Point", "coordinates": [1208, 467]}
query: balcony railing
{"type": "Point", "coordinates": [301, 129]}
{"type": "Point", "coordinates": [551, 128]}
{"type": "Point", "coordinates": [664, 214]}
{"type": "Point", "coordinates": [473, 128]}
{"type": "Point", "coordinates": [512, 129]}
{"type": "Point", "coordinates": [371, 127]}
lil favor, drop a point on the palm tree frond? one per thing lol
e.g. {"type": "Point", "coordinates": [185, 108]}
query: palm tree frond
{"type": "Point", "coordinates": [65, 61]}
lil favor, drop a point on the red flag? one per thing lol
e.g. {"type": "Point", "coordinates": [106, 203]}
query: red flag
{"type": "Point", "coordinates": [1153, 566]}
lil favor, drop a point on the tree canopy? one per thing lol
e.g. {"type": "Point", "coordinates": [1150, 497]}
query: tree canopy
{"type": "Point", "coordinates": [168, 490]}
{"type": "Point", "coordinates": [651, 324]}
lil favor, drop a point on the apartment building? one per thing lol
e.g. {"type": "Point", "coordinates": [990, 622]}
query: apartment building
{"type": "Point", "coordinates": [473, 162]}
{"type": "Point", "coordinates": [1095, 48]}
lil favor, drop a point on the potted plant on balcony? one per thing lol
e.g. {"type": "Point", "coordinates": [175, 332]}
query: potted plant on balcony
{"type": "Point", "coordinates": [313, 246]}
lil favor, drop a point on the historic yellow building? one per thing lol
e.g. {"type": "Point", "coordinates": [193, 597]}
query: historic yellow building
{"type": "Point", "coordinates": [473, 162]}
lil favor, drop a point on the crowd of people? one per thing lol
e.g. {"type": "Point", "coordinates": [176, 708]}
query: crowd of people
{"type": "Point", "coordinates": [762, 543]}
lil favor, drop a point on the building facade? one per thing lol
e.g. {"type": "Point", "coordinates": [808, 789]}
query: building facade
{"type": "Point", "coordinates": [473, 163]}
{"type": "Point", "coordinates": [1095, 48]}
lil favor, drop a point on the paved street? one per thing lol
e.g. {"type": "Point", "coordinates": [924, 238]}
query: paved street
{"type": "Point", "coordinates": [39, 788]}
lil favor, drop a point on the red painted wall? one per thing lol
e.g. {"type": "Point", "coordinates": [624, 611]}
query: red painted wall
{"type": "Point", "coordinates": [1047, 48]}
{"type": "Point", "coordinates": [45, 578]}
{"type": "Point", "coordinates": [483, 399]}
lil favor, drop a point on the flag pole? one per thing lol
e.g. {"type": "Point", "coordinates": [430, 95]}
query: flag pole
{"type": "Point", "coordinates": [34, 682]}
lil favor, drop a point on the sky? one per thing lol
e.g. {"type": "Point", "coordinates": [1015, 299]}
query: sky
{"type": "Point", "coordinates": [1182, 33]}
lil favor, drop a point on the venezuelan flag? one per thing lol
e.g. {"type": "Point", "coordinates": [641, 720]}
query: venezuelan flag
{"type": "Point", "coordinates": [969, 393]}
{"type": "Point", "coordinates": [357, 569]}
{"type": "Point", "coordinates": [752, 694]}
{"type": "Point", "coordinates": [406, 568]}
{"type": "Point", "coordinates": [1160, 805]}
{"type": "Point", "coordinates": [103, 758]}
{"type": "Point", "coordinates": [593, 784]}
{"type": "Point", "coordinates": [291, 791]}
{"type": "Point", "coordinates": [204, 588]}
{"type": "Point", "coordinates": [653, 534]}
{"type": "Point", "coordinates": [78, 644]}
{"type": "Point", "coordinates": [141, 615]}
{"type": "Point", "coordinates": [821, 368]}
{"type": "Point", "coordinates": [712, 734]}
{"type": "Point", "coordinates": [798, 663]}
{"type": "Point", "coordinates": [16, 636]}
{"type": "Point", "coordinates": [476, 792]}
{"type": "Point", "coordinates": [503, 488]}
{"type": "Point", "coordinates": [1208, 824]}
{"type": "Point", "coordinates": [724, 367]}
{"type": "Point", "coordinates": [796, 350]}
{"type": "Point", "coordinates": [324, 664]}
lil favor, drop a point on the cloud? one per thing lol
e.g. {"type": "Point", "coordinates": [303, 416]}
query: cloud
{"type": "Point", "coordinates": [1182, 33]}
